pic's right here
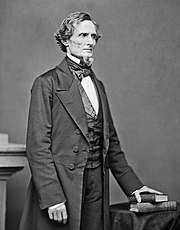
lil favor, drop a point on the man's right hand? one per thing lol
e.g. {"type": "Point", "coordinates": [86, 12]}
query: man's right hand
{"type": "Point", "coordinates": [58, 212]}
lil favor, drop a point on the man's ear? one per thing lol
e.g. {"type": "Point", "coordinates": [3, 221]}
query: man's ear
{"type": "Point", "coordinates": [65, 42]}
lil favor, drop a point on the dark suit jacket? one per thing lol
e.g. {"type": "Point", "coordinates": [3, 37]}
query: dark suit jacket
{"type": "Point", "coordinates": [57, 150]}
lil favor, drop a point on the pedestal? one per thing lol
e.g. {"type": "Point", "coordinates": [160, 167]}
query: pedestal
{"type": "Point", "coordinates": [12, 160]}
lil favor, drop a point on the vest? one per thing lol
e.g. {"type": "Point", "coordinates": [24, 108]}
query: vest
{"type": "Point", "coordinates": [95, 132]}
{"type": "Point", "coordinates": [95, 123]}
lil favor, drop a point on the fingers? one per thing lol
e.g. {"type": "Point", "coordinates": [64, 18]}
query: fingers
{"type": "Point", "coordinates": [50, 215]}
{"type": "Point", "coordinates": [64, 216]}
{"type": "Point", "coordinates": [136, 193]}
{"type": "Point", "coordinates": [58, 214]}
{"type": "Point", "coordinates": [55, 215]}
{"type": "Point", "coordinates": [147, 189]}
{"type": "Point", "coordinates": [138, 197]}
{"type": "Point", "coordinates": [154, 191]}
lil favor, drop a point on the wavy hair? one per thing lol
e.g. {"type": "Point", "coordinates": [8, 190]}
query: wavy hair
{"type": "Point", "coordinates": [68, 25]}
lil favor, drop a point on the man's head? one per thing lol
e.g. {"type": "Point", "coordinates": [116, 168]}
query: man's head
{"type": "Point", "coordinates": [78, 34]}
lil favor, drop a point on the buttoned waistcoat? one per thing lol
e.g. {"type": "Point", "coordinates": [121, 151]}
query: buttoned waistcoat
{"type": "Point", "coordinates": [57, 151]}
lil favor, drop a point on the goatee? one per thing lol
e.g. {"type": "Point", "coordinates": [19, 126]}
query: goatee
{"type": "Point", "coordinates": [87, 60]}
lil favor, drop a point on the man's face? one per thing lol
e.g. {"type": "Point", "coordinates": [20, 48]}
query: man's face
{"type": "Point", "coordinates": [83, 40]}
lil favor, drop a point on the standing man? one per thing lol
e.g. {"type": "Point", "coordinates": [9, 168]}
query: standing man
{"type": "Point", "coordinates": [71, 140]}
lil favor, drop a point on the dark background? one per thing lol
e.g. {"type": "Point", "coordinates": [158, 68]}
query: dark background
{"type": "Point", "coordinates": [138, 59]}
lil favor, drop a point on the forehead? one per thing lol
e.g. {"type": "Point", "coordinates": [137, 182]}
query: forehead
{"type": "Point", "coordinates": [85, 27]}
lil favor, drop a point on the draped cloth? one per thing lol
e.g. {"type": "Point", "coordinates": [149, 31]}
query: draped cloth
{"type": "Point", "coordinates": [123, 219]}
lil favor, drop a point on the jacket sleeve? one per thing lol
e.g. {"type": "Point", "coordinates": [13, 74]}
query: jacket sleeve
{"type": "Point", "coordinates": [123, 173]}
{"type": "Point", "coordinates": [38, 142]}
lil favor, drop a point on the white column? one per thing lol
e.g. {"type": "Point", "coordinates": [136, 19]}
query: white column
{"type": "Point", "coordinates": [12, 160]}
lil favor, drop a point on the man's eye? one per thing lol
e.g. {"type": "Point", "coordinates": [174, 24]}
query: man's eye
{"type": "Point", "coordinates": [94, 36]}
{"type": "Point", "coordinates": [83, 35]}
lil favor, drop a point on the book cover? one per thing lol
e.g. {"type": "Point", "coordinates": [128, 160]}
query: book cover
{"type": "Point", "coordinates": [150, 197]}
{"type": "Point", "coordinates": [150, 207]}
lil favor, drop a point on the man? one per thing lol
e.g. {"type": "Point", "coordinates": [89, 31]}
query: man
{"type": "Point", "coordinates": [71, 140]}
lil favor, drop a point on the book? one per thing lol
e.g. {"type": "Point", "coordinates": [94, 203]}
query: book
{"type": "Point", "coordinates": [149, 197]}
{"type": "Point", "coordinates": [149, 207]}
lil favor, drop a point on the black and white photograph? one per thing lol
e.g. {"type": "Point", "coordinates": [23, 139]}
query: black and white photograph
{"type": "Point", "coordinates": [89, 115]}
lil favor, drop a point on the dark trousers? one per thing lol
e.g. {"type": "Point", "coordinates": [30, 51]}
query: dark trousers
{"type": "Point", "coordinates": [92, 202]}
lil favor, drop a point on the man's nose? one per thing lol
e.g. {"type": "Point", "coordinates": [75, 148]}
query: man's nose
{"type": "Point", "coordinates": [90, 40]}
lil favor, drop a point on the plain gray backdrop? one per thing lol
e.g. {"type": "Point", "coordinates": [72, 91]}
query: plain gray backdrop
{"type": "Point", "coordinates": [138, 59]}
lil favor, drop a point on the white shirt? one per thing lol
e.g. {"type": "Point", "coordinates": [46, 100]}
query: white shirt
{"type": "Point", "coordinates": [88, 86]}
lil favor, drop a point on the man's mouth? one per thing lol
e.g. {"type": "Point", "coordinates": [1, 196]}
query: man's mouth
{"type": "Point", "coordinates": [89, 50]}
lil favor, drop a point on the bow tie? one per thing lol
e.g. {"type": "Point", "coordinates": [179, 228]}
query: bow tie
{"type": "Point", "coordinates": [79, 70]}
{"type": "Point", "coordinates": [82, 73]}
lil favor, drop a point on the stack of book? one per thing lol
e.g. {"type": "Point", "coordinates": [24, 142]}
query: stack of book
{"type": "Point", "coordinates": [151, 202]}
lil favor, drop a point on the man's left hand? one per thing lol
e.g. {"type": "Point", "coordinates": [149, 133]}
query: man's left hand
{"type": "Point", "coordinates": [144, 189]}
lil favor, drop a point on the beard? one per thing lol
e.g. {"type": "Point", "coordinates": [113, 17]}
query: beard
{"type": "Point", "coordinates": [87, 60]}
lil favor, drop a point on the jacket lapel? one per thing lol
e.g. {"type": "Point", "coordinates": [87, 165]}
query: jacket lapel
{"type": "Point", "coordinates": [68, 92]}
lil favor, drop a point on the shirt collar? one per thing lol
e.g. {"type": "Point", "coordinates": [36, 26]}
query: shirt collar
{"type": "Point", "coordinates": [73, 58]}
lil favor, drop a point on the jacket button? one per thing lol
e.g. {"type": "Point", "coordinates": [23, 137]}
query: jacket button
{"type": "Point", "coordinates": [71, 166]}
{"type": "Point", "coordinates": [78, 132]}
{"type": "Point", "coordinates": [75, 149]}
